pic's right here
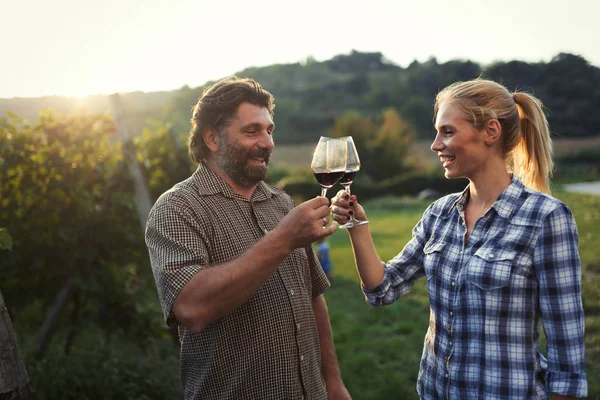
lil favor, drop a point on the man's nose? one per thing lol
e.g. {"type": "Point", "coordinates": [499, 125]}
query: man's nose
{"type": "Point", "coordinates": [266, 141]}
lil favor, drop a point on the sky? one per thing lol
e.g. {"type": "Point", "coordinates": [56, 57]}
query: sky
{"type": "Point", "coordinates": [82, 47]}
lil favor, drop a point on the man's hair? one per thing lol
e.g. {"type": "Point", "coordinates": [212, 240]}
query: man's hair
{"type": "Point", "coordinates": [217, 107]}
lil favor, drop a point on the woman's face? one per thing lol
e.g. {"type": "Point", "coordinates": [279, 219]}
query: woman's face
{"type": "Point", "coordinates": [460, 147]}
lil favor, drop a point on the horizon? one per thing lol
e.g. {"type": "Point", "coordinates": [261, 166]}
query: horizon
{"type": "Point", "coordinates": [86, 96]}
{"type": "Point", "coordinates": [119, 47]}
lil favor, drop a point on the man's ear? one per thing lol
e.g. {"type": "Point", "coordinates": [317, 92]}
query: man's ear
{"type": "Point", "coordinates": [211, 139]}
{"type": "Point", "coordinates": [492, 132]}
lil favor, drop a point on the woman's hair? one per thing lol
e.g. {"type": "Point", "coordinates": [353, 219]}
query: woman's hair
{"type": "Point", "coordinates": [526, 142]}
{"type": "Point", "coordinates": [217, 107]}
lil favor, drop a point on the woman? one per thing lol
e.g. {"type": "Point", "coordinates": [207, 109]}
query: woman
{"type": "Point", "coordinates": [498, 257]}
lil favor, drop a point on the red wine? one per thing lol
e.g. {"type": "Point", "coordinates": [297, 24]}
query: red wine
{"type": "Point", "coordinates": [328, 179]}
{"type": "Point", "coordinates": [348, 178]}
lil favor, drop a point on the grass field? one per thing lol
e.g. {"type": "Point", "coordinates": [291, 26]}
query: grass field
{"type": "Point", "coordinates": [379, 348]}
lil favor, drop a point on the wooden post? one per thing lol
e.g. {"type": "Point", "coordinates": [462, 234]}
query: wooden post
{"type": "Point", "coordinates": [142, 194]}
{"type": "Point", "coordinates": [13, 375]}
{"type": "Point", "coordinates": [14, 381]}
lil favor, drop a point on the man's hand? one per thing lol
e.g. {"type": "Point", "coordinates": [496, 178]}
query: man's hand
{"type": "Point", "coordinates": [306, 223]}
{"type": "Point", "coordinates": [337, 391]}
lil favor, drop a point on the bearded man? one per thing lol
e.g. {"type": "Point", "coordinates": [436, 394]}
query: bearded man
{"type": "Point", "coordinates": [234, 265]}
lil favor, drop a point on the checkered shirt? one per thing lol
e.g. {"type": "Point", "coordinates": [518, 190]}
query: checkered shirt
{"type": "Point", "coordinates": [487, 297]}
{"type": "Point", "coordinates": [267, 348]}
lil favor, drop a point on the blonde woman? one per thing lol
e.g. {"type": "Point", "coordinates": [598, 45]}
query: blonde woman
{"type": "Point", "coordinates": [499, 258]}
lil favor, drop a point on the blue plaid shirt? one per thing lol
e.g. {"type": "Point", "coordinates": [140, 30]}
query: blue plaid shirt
{"type": "Point", "coordinates": [487, 297]}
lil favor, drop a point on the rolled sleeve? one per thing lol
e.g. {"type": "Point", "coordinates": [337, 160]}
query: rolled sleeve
{"type": "Point", "coordinates": [401, 273]}
{"type": "Point", "coordinates": [558, 269]}
{"type": "Point", "coordinates": [176, 249]}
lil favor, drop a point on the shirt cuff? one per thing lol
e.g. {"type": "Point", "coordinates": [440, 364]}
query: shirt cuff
{"type": "Point", "coordinates": [375, 296]}
{"type": "Point", "coordinates": [567, 383]}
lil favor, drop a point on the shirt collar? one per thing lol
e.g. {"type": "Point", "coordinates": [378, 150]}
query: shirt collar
{"type": "Point", "coordinates": [506, 204]}
{"type": "Point", "coordinates": [511, 198]}
{"type": "Point", "coordinates": [209, 183]}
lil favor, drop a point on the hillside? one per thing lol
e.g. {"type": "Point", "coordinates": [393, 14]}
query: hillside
{"type": "Point", "coordinates": [310, 96]}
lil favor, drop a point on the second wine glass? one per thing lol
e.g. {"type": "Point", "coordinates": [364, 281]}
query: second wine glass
{"type": "Point", "coordinates": [352, 168]}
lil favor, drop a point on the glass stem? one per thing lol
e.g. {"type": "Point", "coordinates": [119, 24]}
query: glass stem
{"type": "Point", "coordinates": [323, 192]}
{"type": "Point", "coordinates": [347, 188]}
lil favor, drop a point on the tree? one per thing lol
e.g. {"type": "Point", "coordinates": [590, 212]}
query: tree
{"type": "Point", "coordinates": [382, 147]}
{"type": "Point", "coordinates": [391, 148]}
{"type": "Point", "coordinates": [163, 155]}
{"type": "Point", "coordinates": [68, 203]}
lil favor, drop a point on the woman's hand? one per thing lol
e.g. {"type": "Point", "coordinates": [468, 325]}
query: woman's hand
{"type": "Point", "coordinates": [342, 206]}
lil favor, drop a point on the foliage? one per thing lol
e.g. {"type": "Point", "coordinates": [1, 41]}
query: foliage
{"type": "Point", "coordinates": [384, 140]}
{"type": "Point", "coordinates": [105, 370]}
{"type": "Point", "coordinates": [66, 199]}
{"type": "Point", "coordinates": [163, 154]}
{"type": "Point", "coordinates": [5, 240]}
{"type": "Point", "coordinates": [312, 95]}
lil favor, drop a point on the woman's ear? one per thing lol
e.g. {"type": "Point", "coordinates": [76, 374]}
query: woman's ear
{"type": "Point", "coordinates": [493, 129]}
{"type": "Point", "coordinates": [211, 139]}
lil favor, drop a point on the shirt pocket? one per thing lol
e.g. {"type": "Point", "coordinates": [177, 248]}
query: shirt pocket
{"type": "Point", "coordinates": [490, 268]}
{"type": "Point", "coordinates": [433, 254]}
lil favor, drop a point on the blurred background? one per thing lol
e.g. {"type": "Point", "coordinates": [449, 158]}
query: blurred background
{"type": "Point", "coordinates": [95, 101]}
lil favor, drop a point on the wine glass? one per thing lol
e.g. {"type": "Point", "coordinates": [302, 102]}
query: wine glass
{"type": "Point", "coordinates": [352, 168]}
{"type": "Point", "coordinates": [329, 162]}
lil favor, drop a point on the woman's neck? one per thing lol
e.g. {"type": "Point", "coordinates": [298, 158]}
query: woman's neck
{"type": "Point", "coordinates": [485, 190]}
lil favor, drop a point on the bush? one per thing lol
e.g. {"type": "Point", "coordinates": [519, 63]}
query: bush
{"type": "Point", "coordinates": [100, 369]}
{"type": "Point", "coordinates": [404, 185]}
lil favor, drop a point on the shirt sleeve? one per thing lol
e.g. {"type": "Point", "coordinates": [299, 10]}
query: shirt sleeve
{"type": "Point", "coordinates": [558, 269]}
{"type": "Point", "coordinates": [176, 247]}
{"type": "Point", "coordinates": [403, 271]}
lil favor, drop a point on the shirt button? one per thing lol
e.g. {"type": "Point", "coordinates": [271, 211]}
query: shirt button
{"type": "Point", "coordinates": [491, 256]}
{"type": "Point", "coordinates": [450, 343]}
{"type": "Point", "coordinates": [446, 376]}
{"type": "Point", "coordinates": [301, 358]}
{"type": "Point", "coordinates": [292, 292]}
{"type": "Point", "coordinates": [451, 313]}
{"type": "Point", "coordinates": [298, 326]}
{"type": "Point", "coordinates": [453, 283]}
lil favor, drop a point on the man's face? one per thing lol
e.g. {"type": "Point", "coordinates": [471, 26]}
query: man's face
{"type": "Point", "coordinates": [245, 145]}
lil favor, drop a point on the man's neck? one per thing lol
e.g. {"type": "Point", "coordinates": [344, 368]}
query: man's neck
{"type": "Point", "coordinates": [247, 192]}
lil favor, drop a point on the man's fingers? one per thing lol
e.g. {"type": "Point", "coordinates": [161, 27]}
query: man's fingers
{"type": "Point", "coordinates": [328, 230]}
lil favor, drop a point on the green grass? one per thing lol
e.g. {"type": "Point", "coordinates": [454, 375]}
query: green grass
{"type": "Point", "coordinates": [379, 348]}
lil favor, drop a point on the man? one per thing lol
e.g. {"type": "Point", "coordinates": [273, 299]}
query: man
{"type": "Point", "coordinates": [234, 266]}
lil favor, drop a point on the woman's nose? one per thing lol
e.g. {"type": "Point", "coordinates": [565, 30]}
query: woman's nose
{"type": "Point", "coordinates": [437, 144]}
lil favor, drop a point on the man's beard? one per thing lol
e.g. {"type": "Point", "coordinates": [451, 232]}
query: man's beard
{"type": "Point", "coordinates": [233, 160]}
